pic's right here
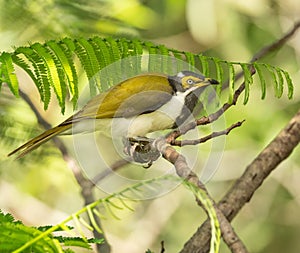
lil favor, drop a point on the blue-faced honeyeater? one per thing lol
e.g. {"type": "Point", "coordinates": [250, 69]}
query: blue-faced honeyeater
{"type": "Point", "coordinates": [150, 102]}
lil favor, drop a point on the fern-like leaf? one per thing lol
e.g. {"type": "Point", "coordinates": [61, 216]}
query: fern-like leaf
{"type": "Point", "coordinates": [52, 64]}
{"type": "Point", "coordinates": [14, 235]}
{"type": "Point", "coordinates": [104, 58]}
{"type": "Point", "coordinates": [78, 241]}
{"type": "Point", "coordinates": [88, 58]}
{"type": "Point", "coordinates": [7, 73]}
{"type": "Point", "coordinates": [66, 69]}
{"type": "Point", "coordinates": [262, 79]}
{"type": "Point", "coordinates": [39, 69]}
{"type": "Point", "coordinates": [53, 70]}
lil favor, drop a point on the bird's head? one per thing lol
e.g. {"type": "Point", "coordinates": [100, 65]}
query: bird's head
{"type": "Point", "coordinates": [186, 80]}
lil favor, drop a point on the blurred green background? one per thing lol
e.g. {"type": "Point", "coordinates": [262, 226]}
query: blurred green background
{"type": "Point", "coordinates": [40, 189]}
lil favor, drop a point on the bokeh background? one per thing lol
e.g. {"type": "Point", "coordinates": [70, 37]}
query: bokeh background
{"type": "Point", "coordinates": [40, 189]}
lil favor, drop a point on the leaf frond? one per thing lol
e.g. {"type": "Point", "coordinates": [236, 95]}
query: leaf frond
{"type": "Point", "coordinates": [7, 73]}
{"type": "Point", "coordinates": [52, 66]}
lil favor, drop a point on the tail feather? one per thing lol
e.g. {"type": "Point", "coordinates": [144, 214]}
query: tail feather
{"type": "Point", "coordinates": [39, 140]}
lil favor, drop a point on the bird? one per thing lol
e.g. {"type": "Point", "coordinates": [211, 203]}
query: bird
{"type": "Point", "coordinates": [140, 105]}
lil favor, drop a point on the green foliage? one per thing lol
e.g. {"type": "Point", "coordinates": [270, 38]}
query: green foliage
{"type": "Point", "coordinates": [52, 65]}
{"type": "Point", "coordinates": [209, 208]}
{"type": "Point", "coordinates": [7, 73]}
{"type": "Point", "coordinates": [14, 236]}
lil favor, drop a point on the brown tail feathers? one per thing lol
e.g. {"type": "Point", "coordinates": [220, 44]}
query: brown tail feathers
{"type": "Point", "coordinates": [39, 140]}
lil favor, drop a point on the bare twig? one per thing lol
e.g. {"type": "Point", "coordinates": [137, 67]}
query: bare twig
{"type": "Point", "coordinates": [208, 137]}
{"type": "Point", "coordinates": [162, 244]}
{"type": "Point", "coordinates": [276, 45]}
{"type": "Point", "coordinates": [117, 165]}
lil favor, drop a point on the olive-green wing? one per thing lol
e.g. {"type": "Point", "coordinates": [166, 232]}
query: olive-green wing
{"type": "Point", "coordinates": [151, 92]}
{"type": "Point", "coordinates": [134, 96]}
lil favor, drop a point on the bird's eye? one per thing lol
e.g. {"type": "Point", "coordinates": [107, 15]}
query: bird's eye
{"type": "Point", "coordinates": [190, 81]}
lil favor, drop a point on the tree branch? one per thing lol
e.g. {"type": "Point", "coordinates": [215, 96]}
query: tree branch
{"type": "Point", "coordinates": [276, 45]}
{"type": "Point", "coordinates": [183, 171]}
{"type": "Point", "coordinates": [244, 188]}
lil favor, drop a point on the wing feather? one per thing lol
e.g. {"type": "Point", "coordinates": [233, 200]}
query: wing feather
{"type": "Point", "coordinates": [150, 91]}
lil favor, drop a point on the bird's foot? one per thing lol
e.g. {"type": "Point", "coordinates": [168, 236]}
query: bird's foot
{"type": "Point", "coordinates": [141, 150]}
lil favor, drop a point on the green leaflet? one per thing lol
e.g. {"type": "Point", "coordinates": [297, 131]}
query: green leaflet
{"type": "Point", "coordinates": [41, 81]}
{"type": "Point", "coordinates": [52, 72]}
{"type": "Point", "coordinates": [116, 53]}
{"type": "Point", "coordinates": [66, 69]}
{"type": "Point", "coordinates": [17, 59]}
{"type": "Point", "coordinates": [219, 69]}
{"type": "Point", "coordinates": [210, 210]}
{"type": "Point", "coordinates": [280, 82]}
{"type": "Point", "coordinates": [274, 77]}
{"type": "Point", "coordinates": [289, 84]}
{"type": "Point", "coordinates": [87, 56]}
{"type": "Point", "coordinates": [137, 49]}
{"type": "Point", "coordinates": [93, 221]}
{"type": "Point", "coordinates": [247, 81]}
{"type": "Point", "coordinates": [204, 64]}
{"type": "Point", "coordinates": [153, 52]}
{"type": "Point", "coordinates": [262, 79]}
{"type": "Point", "coordinates": [13, 235]}
{"type": "Point", "coordinates": [8, 73]}
{"type": "Point", "coordinates": [190, 58]}
{"type": "Point", "coordinates": [278, 75]}
{"type": "Point", "coordinates": [104, 58]}
{"type": "Point", "coordinates": [166, 64]}
{"type": "Point", "coordinates": [130, 65]}
{"type": "Point", "coordinates": [231, 82]}
{"type": "Point", "coordinates": [180, 62]}
{"type": "Point", "coordinates": [220, 74]}
{"type": "Point", "coordinates": [115, 49]}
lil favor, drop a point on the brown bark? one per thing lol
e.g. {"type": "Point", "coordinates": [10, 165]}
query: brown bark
{"type": "Point", "coordinates": [256, 172]}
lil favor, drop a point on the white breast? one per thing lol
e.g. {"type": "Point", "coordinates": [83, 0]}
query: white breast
{"type": "Point", "coordinates": [140, 125]}
{"type": "Point", "coordinates": [161, 119]}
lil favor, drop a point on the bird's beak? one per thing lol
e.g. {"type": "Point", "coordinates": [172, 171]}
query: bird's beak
{"type": "Point", "coordinates": [211, 81]}
{"type": "Point", "coordinates": [206, 82]}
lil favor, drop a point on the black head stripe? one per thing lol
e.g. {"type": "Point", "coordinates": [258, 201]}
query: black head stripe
{"type": "Point", "coordinates": [175, 83]}
{"type": "Point", "coordinates": [190, 73]}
